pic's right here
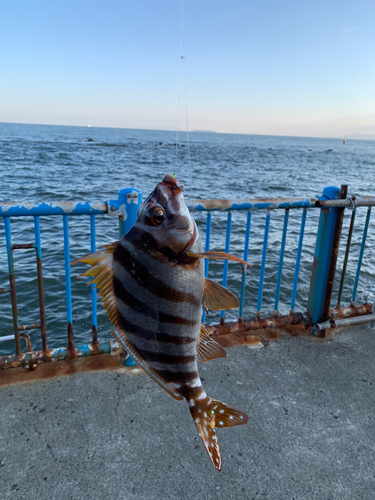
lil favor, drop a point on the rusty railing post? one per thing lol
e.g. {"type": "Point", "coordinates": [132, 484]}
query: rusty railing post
{"type": "Point", "coordinates": [334, 254]}
{"type": "Point", "coordinates": [322, 256]}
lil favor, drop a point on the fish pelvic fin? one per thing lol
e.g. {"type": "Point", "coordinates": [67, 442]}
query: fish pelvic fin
{"type": "Point", "coordinates": [216, 255]}
{"type": "Point", "coordinates": [209, 349]}
{"type": "Point", "coordinates": [208, 415]}
{"type": "Point", "coordinates": [217, 297]}
{"type": "Point", "coordinates": [101, 271]}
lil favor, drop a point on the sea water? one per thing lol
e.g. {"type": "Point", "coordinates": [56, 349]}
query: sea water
{"type": "Point", "coordinates": [55, 163]}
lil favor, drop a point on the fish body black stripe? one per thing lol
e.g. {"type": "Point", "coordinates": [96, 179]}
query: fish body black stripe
{"type": "Point", "coordinates": [167, 359]}
{"type": "Point", "coordinates": [176, 320]}
{"type": "Point", "coordinates": [164, 338]}
{"type": "Point", "coordinates": [190, 392]}
{"type": "Point", "coordinates": [154, 345]}
{"type": "Point", "coordinates": [144, 308]}
{"type": "Point", "coordinates": [184, 377]}
{"type": "Point", "coordinates": [144, 333]}
{"type": "Point", "coordinates": [142, 276]}
{"type": "Point", "coordinates": [133, 302]}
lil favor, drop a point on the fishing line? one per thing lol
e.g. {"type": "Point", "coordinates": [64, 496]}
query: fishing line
{"type": "Point", "coordinates": [182, 57]}
{"type": "Point", "coordinates": [218, 380]}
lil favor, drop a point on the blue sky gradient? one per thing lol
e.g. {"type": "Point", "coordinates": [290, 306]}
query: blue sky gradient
{"type": "Point", "coordinates": [259, 67]}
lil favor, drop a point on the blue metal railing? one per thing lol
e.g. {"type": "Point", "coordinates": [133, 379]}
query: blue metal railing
{"type": "Point", "coordinates": [126, 207]}
{"type": "Point", "coordinates": [361, 253]}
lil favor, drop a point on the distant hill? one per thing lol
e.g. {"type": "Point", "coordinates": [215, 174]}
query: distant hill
{"type": "Point", "coordinates": [362, 137]}
{"type": "Point", "coordinates": [205, 131]}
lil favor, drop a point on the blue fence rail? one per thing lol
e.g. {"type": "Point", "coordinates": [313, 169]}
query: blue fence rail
{"type": "Point", "coordinates": [317, 317]}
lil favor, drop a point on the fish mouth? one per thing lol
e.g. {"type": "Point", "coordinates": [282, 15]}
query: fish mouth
{"type": "Point", "coordinates": [185, 228]}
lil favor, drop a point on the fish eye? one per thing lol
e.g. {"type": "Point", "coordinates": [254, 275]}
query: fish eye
{"type": "Point", "coordinates": [155, 216]}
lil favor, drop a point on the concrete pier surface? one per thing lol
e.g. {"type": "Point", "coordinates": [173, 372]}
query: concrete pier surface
{"type": "Point", "coordinates": [114, 435]}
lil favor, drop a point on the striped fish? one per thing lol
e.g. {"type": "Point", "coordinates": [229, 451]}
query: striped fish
{"type": "Point", "coordinates": [153, 287]}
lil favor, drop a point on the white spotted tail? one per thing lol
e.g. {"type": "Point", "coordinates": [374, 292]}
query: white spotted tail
{"type": "Point", "coordinates": [209, 414]}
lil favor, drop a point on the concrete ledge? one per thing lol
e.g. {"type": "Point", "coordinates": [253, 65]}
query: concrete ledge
{"type": "Point", "coordinates": [106, 435]}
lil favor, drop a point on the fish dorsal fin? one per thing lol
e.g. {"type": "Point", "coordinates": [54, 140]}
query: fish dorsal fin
{"type": "Point", "coordinates": [216, 297]}
{"type": "Point", "coordinates": [209, 349]}
{"type": "Point", "coordinates": [216, 255]}
{"type": "Point", "coordinates": [101, 271]}
{"type": "Point", "coordinates": [120, 336]}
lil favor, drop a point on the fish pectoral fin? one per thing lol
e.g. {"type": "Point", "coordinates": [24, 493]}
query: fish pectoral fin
{"type": "Point", "coordinates": [217, 297]}
{"type": "Point", "coordinates": [228, 416]}
{"type": "Point", "coordinates": [216, 255]}
{"type": "Point", "coordinates": [209, 349]}
{"type": "Point", "coordinates": [101, 271]}
{"type": "Point", "coordinates": [120, 337]}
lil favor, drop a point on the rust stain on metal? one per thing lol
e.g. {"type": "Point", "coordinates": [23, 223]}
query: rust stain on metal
{"type": "Point", "coordinates": [22, 246]}
{"type": "Point", "coordinates": [334, 254]}
{"type": "Point", "coordinates": [28, 341]}
{"type": "Point", "coordinates": [95, 344]}
{"type": "Point", "coordinates": [43, 329]}
{"type": "Point", "coordinates": [263, 337]}
{"type": "Point", "coordinates": [13, 295]}
{"type": "Point", "coordinates": [350, 311]}
{"type": "Point", "coordinates": [256, 324]}
{"type": "Point", "coordinates": [220, 204]}
{"type": "Point", "coordinates": [72, 351]}
{"type": "Point", "coordinates": [29, 327]}
{"type": "Point", "coordinates": [259, 332]}
{"type": "Point", "coordinates": [62, 368]}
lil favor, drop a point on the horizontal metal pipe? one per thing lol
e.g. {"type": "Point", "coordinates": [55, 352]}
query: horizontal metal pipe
{"type": "Point", "coordinates": [358, 320]}
{"type": "Point", "coordinates": [352, 310]}
{"type": "Point", "coordinates": [23, 336]}
{"type": "Point", "coordinates": [11, 337]}
{"type": "Point", "coordinates": [36, 357]}
{"type": "Point", "coordinates": [363, 201]}
{"type": "Point", "coordinates": [29, 327]}
{"type": "Point", "coordinates": [250, 204]}
{"type": "Point", "coordinates": [115, 207]}
{"type": "Point", "coordinates": [274, 203]}
{"type": "Point", "coordinates": [12, 209]}
{"type": "Point", "coordinates": [256, 324]}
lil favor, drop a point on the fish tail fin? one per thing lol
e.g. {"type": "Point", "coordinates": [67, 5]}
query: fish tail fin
{"type": "Point", "coordinates": [202, 416]}
{"type": "Point", "coordinates": [228, 416]}
{"type": "Point", "coordinates": [210, 414]}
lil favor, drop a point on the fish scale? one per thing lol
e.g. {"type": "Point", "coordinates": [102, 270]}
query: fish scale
{"type": "Point", "coordinates": [153, 287]}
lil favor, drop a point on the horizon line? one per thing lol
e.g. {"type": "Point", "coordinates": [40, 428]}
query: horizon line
{"type": "Point", "coordinates": [189, 132]}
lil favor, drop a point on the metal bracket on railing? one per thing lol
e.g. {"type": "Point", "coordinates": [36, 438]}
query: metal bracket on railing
{"type": "Point", "coordinates": [353, 203]}
{"type": "Point", "coordinates": [127, 199]}
{"type": "Point", "coordinates": [115, 209]}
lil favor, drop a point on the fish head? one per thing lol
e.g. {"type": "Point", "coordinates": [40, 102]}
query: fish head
{"type": "Point", "coordinates": [165, 216]}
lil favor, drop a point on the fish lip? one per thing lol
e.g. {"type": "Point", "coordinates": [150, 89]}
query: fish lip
{"type": "Point", "coordinates": [185, 228]}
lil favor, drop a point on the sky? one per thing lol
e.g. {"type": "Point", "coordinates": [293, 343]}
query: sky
{"type": "Point", "coordinates": [278, 67]}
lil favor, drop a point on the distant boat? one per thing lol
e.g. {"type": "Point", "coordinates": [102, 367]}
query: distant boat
{"type": "Point", "coordinates": [344, 141]}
